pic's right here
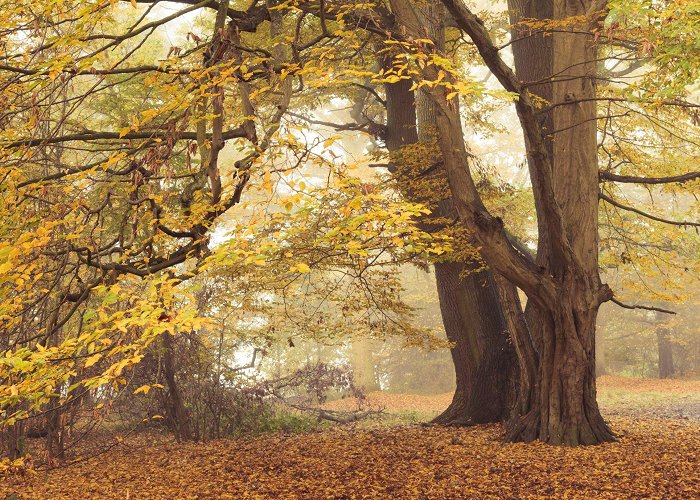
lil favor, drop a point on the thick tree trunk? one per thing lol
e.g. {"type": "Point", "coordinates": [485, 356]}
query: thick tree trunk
{"type": "Point", "coordinates": [484, 360]}
{"type": "Point", "coordinates": [567, 291]}
{"type": "Point", "coordinates": [563, 408]}
{"type": "Point", "coordinates": [483, 357]}
{"type": "Point", "coordinates": [562, 403]}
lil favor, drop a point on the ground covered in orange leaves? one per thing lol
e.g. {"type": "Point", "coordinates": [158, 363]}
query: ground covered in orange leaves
{"type": "Point", "coordinates": [654, 458]}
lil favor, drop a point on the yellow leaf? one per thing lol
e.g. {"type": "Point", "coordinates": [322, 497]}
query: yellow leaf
{"type": "Point", "coordinates": [143, 388]}
{"type": "Point", "coordinates": [149, 114]}
{"type": "Point", "coordinates": [300, 268]}
{"type": "Point", "coordinates": [267, 182]}
{"type": "Point", "coordinates": [92, 360]}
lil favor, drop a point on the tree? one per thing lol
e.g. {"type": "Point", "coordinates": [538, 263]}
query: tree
{"type": "Point", "coordinates": [564, 288]}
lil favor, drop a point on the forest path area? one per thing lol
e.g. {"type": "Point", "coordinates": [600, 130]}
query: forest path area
{"type": "Point", "coordinates": [655, 457]}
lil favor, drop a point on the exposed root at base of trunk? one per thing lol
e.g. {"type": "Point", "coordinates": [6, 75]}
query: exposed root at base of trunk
{"type": "Point", "coordinates": [528, 428]}
{"type": "Point", "coordinates": [455, 415]}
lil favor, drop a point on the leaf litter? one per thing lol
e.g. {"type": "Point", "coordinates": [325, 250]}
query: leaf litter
{"type": "Point", "coordinates": [653, 458]}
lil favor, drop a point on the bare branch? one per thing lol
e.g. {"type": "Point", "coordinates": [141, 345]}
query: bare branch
{"type": "Point", "coordinates": [646, 308]}
{"type": "Point", "coordinates": [609, 176]}
{"type": "Point", "coordinates": [96, 136]}
{"type": "Point", "coordinates": [619, 205]}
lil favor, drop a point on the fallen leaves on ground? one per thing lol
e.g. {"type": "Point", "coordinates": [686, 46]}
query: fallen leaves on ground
{"type": "Point", "coordinates": [653, 459]}
{"type": "Point", "coordinates": [395, 402]}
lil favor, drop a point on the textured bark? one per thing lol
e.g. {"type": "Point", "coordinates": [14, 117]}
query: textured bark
{"type": "Point", "coordinates": [533, 56]}
{"type": "Point", "coordinates": [567, 407]}
{"type": "Point", "coordinates": [401, 115]}
{"type": "Point", "coordinates": [484, 360]}
{"type": "Point", "coordinates": [565, 410]}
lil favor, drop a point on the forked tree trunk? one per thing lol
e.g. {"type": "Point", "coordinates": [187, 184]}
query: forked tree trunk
{"type": "Point", "coordinates": [566, 292]}
{"type": "Point", "coordinates": [562, 407]}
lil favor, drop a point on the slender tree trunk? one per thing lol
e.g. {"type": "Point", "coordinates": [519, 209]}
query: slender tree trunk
{"type": "Point", "coordinates": [55, 430]}
{"type": "Point", "coordinates": [601, 365]}
{"type": "Point", "coordinates": [177, 412]}
{"type": "Point", "coordinates": [364, 376]}
{"type": "Point", "coordinates": [663, 339]}
{"type": "Point", "coordinates": [533, 55]}
{"type": "Point", "coordinates": [665, 347]}
{"type": "Point", "coordinates": [15, 438]}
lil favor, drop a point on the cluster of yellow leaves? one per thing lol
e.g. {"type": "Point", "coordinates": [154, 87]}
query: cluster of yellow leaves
{"type": "Point", "coordinates": [112, 340]}
{"type": "Point", "coordinates": [19, 466]}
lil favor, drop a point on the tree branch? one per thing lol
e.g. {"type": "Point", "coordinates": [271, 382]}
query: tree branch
{"type": "Point", "coordinates": [646, 308]}
{"type": "Point", "coordinates": [619, 205]}
{"type": "Point", "coordinates": [609, 176]}
{"type": "Point", "coordinates": [96, 136]}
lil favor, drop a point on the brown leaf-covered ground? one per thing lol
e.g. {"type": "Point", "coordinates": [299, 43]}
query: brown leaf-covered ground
{"type": "Point", "coordinates": [654, 458]}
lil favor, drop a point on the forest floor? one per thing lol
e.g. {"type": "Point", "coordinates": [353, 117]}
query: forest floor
{"type": "Point", "coordinates": [656, 456]}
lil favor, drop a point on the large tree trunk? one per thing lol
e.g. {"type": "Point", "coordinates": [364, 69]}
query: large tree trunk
{"type": "Point", "coordinates": [484, 360]}
{"type": "Point", "coordinates": [566, 292]}
{"type": "Point", "coordinates": [483, 357]}
{"type": "Point", "coordinates": [561, 407]}
{"type": "Point", "coordinates": [564, 409]}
